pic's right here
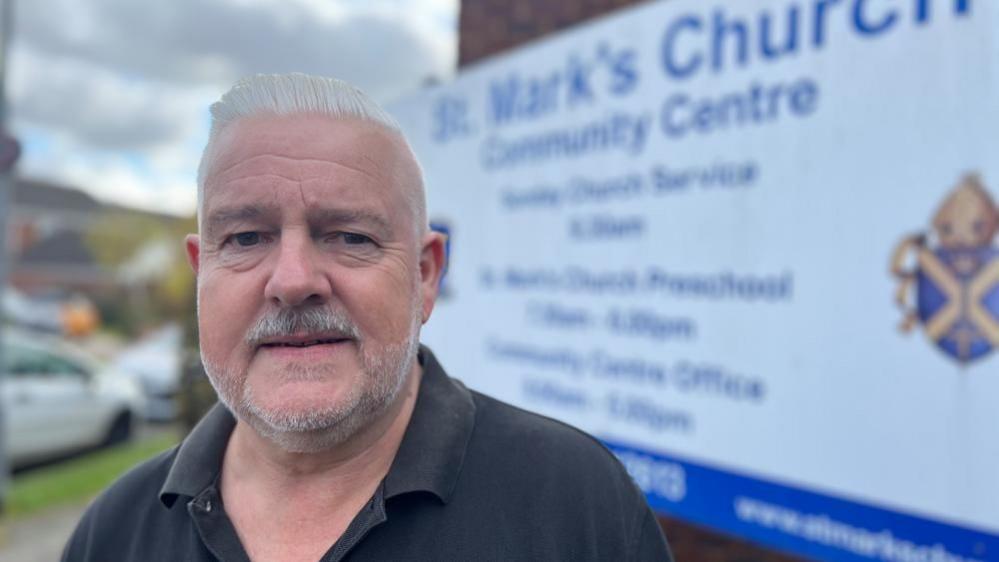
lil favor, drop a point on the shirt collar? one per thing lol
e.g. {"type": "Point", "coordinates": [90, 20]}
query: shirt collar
{"type": "Point", "coordinates": [429, 458]}
{"type": "Point", "coordinates": [432, 452]}
{"type": "Point", "coordinates": [199, 458]}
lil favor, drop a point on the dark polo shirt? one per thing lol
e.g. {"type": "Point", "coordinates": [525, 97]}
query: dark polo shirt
{"type": "Point", "coordinates": [474, 479]}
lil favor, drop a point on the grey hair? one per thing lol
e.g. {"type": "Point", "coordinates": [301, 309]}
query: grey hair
{"type": "Point", "coordinates": [296, 94]}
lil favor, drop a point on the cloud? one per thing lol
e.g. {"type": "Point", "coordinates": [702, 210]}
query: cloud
{"type": "Point", "coordinates": [380, 48]}
{"type": "Point", "coordinates": [98, 106]}
{"type": "Point", "coordinates": [160, 180]}
{"type": "Point", "coordinates": [117, 90]}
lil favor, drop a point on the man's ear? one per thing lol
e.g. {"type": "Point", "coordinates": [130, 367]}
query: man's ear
{"type": "Point", "coordinates": [432, 263]}
{"type": "Point", "coordinates": [192, 243]}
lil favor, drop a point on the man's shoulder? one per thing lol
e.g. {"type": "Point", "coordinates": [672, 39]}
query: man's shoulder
{"type": "Point", "coordinates": [504, 421]}
{"type": "Point", "coordinates": [547, 474]}
{"type": "Point", "coordinates": [142, 482]}
{"type": "Point", "coordinates": [538, 448]}
{"type": "Point", "coordinates": [114, 517]}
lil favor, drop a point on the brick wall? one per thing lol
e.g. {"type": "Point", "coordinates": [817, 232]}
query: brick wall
{"type": "Point", "coordinates": [490, 26]}
{"type": "Point", "coordinates": [486, 27]}
{"type": "Point", "coordinates": [691, 543]}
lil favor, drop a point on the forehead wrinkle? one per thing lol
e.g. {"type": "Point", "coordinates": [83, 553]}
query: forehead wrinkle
{"type": "Point", "coordinates": [315, 161]}
{"type": "Point", "coordinates": [220, 217]}
{"type": "Point", "coordinates": [250, 177]}
{"type": "Point", "coordinates": [320, 216]}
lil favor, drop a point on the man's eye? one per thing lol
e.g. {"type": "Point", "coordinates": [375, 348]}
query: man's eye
{"type": "Point", "coordinates": [354, 238]}
{"type": "Point", "coordinates": [247, 238]}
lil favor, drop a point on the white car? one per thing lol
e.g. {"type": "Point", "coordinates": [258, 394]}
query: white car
{"type": "Point", "coordinates": [58, 400]}
{"type": "Point", "coordinates": [155, 364]}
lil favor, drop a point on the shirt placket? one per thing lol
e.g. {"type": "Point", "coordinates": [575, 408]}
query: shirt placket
{"type": "Point", "coordinates": [214, 527]}
{"type": "Point", "coordinates": [370, 516]}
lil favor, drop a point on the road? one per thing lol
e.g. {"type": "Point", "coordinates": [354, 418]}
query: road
{"type": "Point", "coordinates": [39, 538]}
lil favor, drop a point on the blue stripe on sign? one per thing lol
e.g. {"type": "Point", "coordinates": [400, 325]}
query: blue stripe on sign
{"type": "Point", "coordinates": [797, 520]}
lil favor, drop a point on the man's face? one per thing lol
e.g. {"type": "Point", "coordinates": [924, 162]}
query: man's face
{"type": "Point", "coordinates": [312, 280]}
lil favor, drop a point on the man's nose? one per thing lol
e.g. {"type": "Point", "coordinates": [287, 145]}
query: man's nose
{"type": "Point", "coordinates": [297, 277]}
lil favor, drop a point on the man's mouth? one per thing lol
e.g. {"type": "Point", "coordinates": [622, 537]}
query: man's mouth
{"type": "Point", "coordinates": [301, 342]}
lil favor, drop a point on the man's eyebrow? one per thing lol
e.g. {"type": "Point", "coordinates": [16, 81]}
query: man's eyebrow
{"type": "Point", "coordinates": [219, 218]}
{"type": "Point", "coordinates": [349, 216]}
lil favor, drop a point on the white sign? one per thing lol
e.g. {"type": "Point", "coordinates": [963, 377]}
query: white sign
{"type": "Point", "coordinates": [751, 246]}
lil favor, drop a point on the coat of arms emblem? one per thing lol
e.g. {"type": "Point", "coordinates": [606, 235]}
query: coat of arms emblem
{"type": "Point", "coordinates": [949, 276]}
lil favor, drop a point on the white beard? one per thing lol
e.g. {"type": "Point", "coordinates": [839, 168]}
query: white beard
{"type": "Point", "coordinates": [385, 373]}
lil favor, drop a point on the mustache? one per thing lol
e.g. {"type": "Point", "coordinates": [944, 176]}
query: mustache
{"type": "Point", "coordinates": [328, 322]}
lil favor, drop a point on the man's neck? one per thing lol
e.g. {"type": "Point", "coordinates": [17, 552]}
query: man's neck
{"type": "Point", "coordinates": [263, 485]}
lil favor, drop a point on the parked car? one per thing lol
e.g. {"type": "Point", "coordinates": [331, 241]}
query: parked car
{"type": "Point", "coordinates": [155, 364]}
{"type": "Point", "coordinates": [56, 313]}
{"type": "Point", "coordinates": [57, 399]}
{"type": "Point", "coordinates": [35, 314]}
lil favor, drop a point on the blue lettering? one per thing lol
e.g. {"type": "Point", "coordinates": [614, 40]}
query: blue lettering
{"type": "Point", "coordinates": [606, 227]}
{"type": "Point", "coordinates": [961, 7]}
{"type": "Point", "coordinates": [672, 66]}
{"type": "Point", "coordinates": [720, 31]}
{"type": "Point", "coordinates": [756, 105]}
{"type": "Point", "coordinates": [922, 11]}
{"type": "Point", "coordinates": [872, 28]}
{"type": "Point", "coordinates": [503, 99]}
{"type": "Point", "coordinates": [515, 99]}
{"type": "Point", "coordinates": [704, 118]}
{"type": "Point", "coordinates": [491, 153]}
{"type": "Point", "coordinates": [579, 82]}
{"type": "Point", "coordinates": [819, 23]}
{"type": "Point", "coordinates": [624, 75]}
{"type": "Point", "coordinates": [560, 395]}
{"type": "Point", "coordinates": [537, 100]}
{"type": "Point", "coordinates": [670, 125]}
{"type": "Point", "coordinates": [736, 41]}
{"type": "Point", "coordinates": [804, 96]}
{"type": "Point", "coordinates": [767, 48]}
{"type": "Point", "coordinates": [450, 119]}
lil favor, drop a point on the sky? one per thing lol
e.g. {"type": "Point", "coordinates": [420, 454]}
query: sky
{"type": "Point", "coordinates": [112, 96]}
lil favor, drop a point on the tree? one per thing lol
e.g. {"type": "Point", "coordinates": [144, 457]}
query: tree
{"type": "Point", "coordinates": [146, 251]}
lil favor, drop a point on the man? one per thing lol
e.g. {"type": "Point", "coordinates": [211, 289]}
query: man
{"type": "Point", "coordinates": [340, 437]}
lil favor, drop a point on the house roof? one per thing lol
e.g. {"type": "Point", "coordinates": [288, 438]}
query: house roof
{"type": "Point", "coordinates": [64, 248]}
{"type": "Point", "coordinates": [46, 195]}
{"type": "Point", "coordinates": [37, 193]}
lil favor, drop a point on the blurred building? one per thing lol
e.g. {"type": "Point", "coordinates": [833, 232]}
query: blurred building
{"type": "Point", "coordinates": [76, 263]}
{"type": "Point", "coordinates": [47, 239]}
{"type": "Point", "coordinates": [488, 27]}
